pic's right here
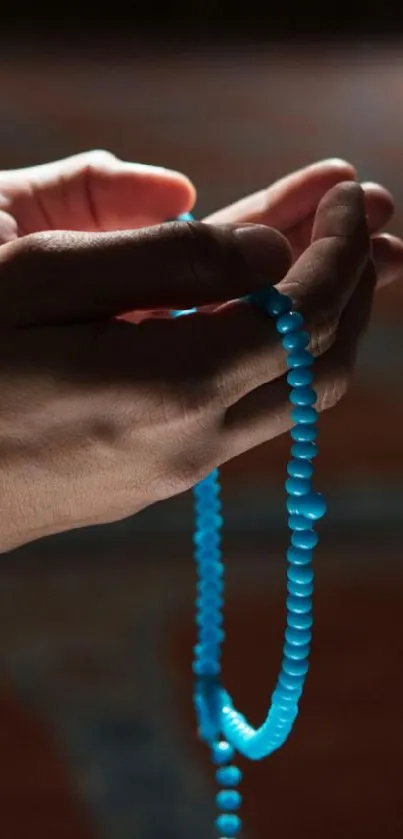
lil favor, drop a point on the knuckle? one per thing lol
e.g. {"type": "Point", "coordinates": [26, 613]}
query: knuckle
{"type": "Point", "coordinates": [196, 400]}
{"type": "Point", "coordinates": [335, 385]}
{"type": "Point", "coordinates": [321, 330]}
{"type": "Point", "coordinates": [203, 249]}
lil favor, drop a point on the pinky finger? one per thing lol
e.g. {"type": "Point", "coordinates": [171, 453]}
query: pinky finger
{"type": "Point", "coordinates": [265, 412]}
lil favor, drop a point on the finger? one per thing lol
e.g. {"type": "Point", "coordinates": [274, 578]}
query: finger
{"type": "Point", "coordinates": [387, 253]}
{"type": "Point", "coordinates": [65, 277]}
{"type": "Point", "coordinates": [265, 413]}
{"type": "Point", "coordinates": [379, 208]}
{"type": "Point", "coordinates": [93, 191]}
{"type": "Point", "coordinates": [322, 281]}
{"type": "Point", "coordinates": [291, 199]}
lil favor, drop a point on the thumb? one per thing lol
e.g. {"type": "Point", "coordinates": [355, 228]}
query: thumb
{"type": "Point", "coordinates": [64, 276]}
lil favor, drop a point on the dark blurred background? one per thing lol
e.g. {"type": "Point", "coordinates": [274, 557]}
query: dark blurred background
{"type": "Point", "coordinates": [96, 724]}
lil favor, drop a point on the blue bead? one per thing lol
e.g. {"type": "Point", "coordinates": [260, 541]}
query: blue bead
{"type": "Point", "coordinates": [222, 753]}
{"type": "Point", "coordinates": [299, 556]}
{"type": "Point", "coordinates": [300, 469]}
{"type": "Point", "coordinates": [304, 451]}
{"type": "Point", "coordinates": [213, 572]}
{"type": "Point", "coordinates": [299, 590]}
{"type": "Point", "coordinates": [299, 358]}
{"type": "Point", "coordinates": [290, 322]}
{"type": "Point", "coordinates": [211, 635]}
{"type": "Point", "coordinates": [298, 637]}
{"type": "Point", "coordinates": [211, 519]}
{"type": "Point", "coordinates": [292, 504]}
{"type": "Point", "coordinates": [207, 554]}
{"type": "Point", "coordinates": [228, 825]}
{"type": "Point", "coordinates": [207, 667]}
{"type": "Point", "coordinates": [285, 710]}
{"type": "Point", "coordinates": [300, 575]}
{"type": "Point", "coordinates": [304, 539]}
{"type": "Point", "coordinates": [178, 313]}
{"type": "Point", "coordinates": [209, 616]}
{"type": "Point", "coordinates": [300, 376]}
{"type": "Point", "coordinates": [291, 683]}
{"type": "Point", "coordinates": [207, 649]}
{"type": "Point", "coordinates": [297, 486]}
{"type": "Point", "coordinates": [300, 620]}
{"type": "Point", "coordinates": [295, 342]}
{"type": "Point", "coordinates": [296, 653]}
{"type": "Point", "coordinates": [296, 522]}
{"type": "Point", "coordinates": [229, 776]}
{"type": "Point", "coordinates": [228, 800]}
{"type": "Point", "coordinates": [205, 653]}
{"type": "Point", "coordinates": [284, 700]}
{"type": "Point", "coordinates": [207, 537]}
{"type": "Point", "coordinates": [207, 489]}
{"type": "Point", "coordinates": [282, 703]}
{"type": "Point", "coordinates": [276, 303]}
{"type": "Point", "coordinates": [313, 506]}
{"type": "Point", "coordinates": [295, 668]}
{"type": "Point", "coordinates": [299, 605]}
{"type": "Point", "coordinates": [210, 602]}
{"type": "Point", "coordinates": [304, 433]}
{"type": "Point", "coordinates": [304, 414]}
{"type": "Point", "coordinates": [303, 396]}
{"type": "Point", "coordinates": [205, 586]}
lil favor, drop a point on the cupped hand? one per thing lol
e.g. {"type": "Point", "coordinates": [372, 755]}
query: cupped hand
{"type": "Point", "coordinates": [100, 417]}
{"type": "Point", "coordinates": [290, 205]}
{"type": "Point", "coordinates": [93, 191]}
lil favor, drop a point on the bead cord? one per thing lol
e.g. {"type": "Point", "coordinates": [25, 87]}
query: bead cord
{"type": "Point", "coordinates": [221, 726]}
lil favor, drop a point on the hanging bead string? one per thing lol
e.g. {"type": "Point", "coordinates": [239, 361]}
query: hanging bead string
{"type": "Point", "coordinates": [221, 726]}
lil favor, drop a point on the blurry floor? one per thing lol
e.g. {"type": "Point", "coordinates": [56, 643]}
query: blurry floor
{"type": "Point", "coordinates": [95, 645]}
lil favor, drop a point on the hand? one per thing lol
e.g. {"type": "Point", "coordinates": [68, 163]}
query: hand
{"type": "Point", "coordinates": [99, 417]}
{"type": "Point", "coordinates": [93, 191]}
{"type": "Point", "coordinates": [290, 205]}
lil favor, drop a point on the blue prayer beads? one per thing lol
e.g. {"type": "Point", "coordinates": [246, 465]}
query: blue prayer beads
{"type": "Point", "coordinates": [221, 726]}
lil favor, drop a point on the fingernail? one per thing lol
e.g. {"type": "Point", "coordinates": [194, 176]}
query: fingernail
{"type": "Point", "coordinates": [261, 247]}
